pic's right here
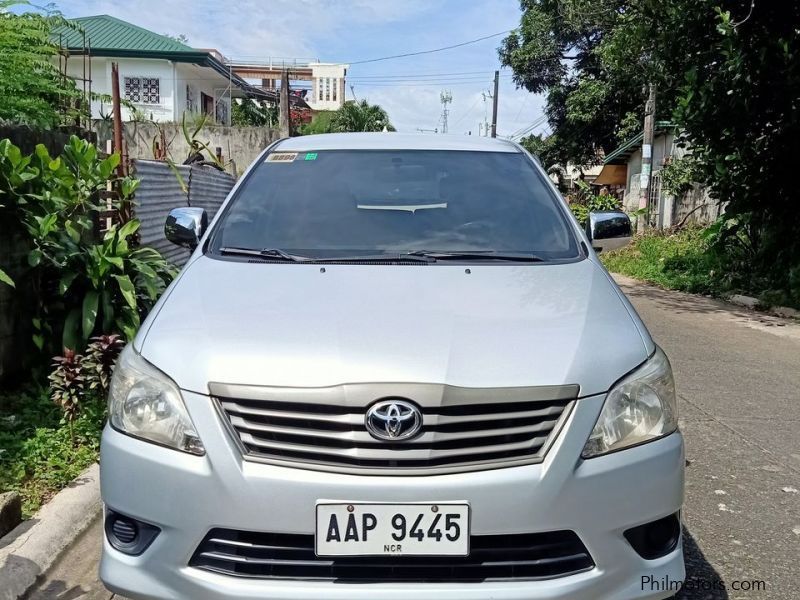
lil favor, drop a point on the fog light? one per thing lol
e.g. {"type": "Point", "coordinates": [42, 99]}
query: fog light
{"type": "Point", "coordinates": [124, 530]}
{"type": "Point", "coordinates": [129, 535]}
{"type": "Point", "coordinates": [657, 538]}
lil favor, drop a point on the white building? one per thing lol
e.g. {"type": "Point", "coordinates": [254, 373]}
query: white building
{"type": "Point", "coordinates": [326, 81]}
{"type": "Point", "coordinates": [162, 78]}
{"type": "Point", "coordinates": [327, 86]}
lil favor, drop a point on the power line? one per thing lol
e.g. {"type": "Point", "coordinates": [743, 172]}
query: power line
{"type": "Point", "coordinates": [421, 75]}
{"type": "Point", "coordinates": [431, 80]}
{"type": "Point", "coordinates": [524, 102]}
{"type": "Point", "coordinates": [527, 129]}
{"type": "Point", "coordinates": [524, 129]}
{"type": "Point", "coordinates": [422, 84]}
{"type": "Point", "coordinates": [476, 40]}
{"type": "Point", "coordinates": [469, 110]}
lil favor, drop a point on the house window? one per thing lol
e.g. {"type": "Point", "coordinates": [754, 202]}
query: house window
{"type": "Point", "coordinates": [333, 91]}
{"type": "Point", "coordinates": [327, 88]}
{"type": "Point", "coordinates": [143, 90]}
{"type": "Point", "coordinates": [320, 85]}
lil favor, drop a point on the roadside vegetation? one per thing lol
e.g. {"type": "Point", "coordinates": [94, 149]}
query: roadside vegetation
{"type": "Point", "coordinates": [689, 260]}
{"type": "Point", "coordinates": [89, 294]}
{"type": "Point", "coordinates": [84, 290]}
{"type": "Point", "coordinates": [722, 70]}
{"type": "Point", "coordinates": [39, 452]}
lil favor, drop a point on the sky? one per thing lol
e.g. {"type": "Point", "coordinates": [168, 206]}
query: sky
{"type": "Point", "coordinates": [358, 30]}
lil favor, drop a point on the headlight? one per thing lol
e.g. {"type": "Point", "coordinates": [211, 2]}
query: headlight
{"type": "Point", "coordinates": [145, 403]}
{"type": "Point", "coordinates": [640, 408]}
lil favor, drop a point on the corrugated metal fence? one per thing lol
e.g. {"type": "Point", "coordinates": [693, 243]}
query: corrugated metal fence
{"type": "Point", "coordinates": [160, 191]}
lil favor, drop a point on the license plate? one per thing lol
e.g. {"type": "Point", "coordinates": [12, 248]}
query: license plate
{"type": "Point", "coordinates": [419, 529]}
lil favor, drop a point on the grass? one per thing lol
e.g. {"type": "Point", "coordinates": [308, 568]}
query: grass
{"type": "Point", "coordinates": [679, 261]}
{"type": "Point", "coordinates": [684, 261]}
{"type": "Point", "coordinates": [40, 453]}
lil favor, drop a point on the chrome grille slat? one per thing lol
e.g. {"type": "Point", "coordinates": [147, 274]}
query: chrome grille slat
{"type": "Point", "coordinates": [357, 418]}
{"type": "Point", "coordinates": [463, 429]}
{"type": "Point", "coordinates": [361, 438]}
{"type": "Point", "coordinates": [280, 556]}
{"type": "Point", "coordinates": [406, 452]}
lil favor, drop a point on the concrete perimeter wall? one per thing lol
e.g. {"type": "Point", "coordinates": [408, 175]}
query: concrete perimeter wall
{"type": "Point", "coordinates": [240, 145]}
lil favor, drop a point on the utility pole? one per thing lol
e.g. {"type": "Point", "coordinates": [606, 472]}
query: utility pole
{"type": "Point", "coordinates": [445, 97]}
{"type": "Point", "coordinates": [646, 174]}
{"type": "Point", "coordinates": [115, 104]}
{"type": "Point", "coordinates": [283, 121]}
{"type": "Point", "coordinates": [353, 91]}
{"type": "Point", "coordinates": [494, 103]}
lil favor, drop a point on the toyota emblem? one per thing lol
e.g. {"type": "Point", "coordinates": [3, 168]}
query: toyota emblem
{"type": "Point", "coordinates": [393, 420]}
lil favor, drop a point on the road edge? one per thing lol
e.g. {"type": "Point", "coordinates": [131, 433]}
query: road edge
{"type": "Point", "coordinates": [29, 550]}
{"type": "Point", "coordinates": [738, 300]}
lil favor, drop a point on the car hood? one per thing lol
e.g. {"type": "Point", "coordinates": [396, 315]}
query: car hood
{"type": "Point", "coordinates": [302, 325]}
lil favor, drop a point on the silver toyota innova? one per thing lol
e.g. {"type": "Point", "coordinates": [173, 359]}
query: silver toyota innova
{"type": "Point", "coordinates": [392, 368]}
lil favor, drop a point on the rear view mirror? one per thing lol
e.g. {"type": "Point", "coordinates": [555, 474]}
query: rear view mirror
{"type": "Point", "coordinates": [608, 230]}
{"type": "Point", "coordinates": [185, 226]}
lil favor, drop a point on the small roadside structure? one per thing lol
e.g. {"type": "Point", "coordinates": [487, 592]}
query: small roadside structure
{"type": "Point", "coordinates": [621, 175]}
{"type": "Point", "coordinates": [161, 77]}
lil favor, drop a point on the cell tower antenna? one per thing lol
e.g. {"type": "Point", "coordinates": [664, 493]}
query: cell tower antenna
{"type": "Point", "coordinates": [446, 98]}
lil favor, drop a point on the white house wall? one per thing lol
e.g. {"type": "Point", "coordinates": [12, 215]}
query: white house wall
{"type": "Point", "coordinates": [194, 80]}
{"type": "Point", "coordinates": [662, 149]}
{"type": "Point", "coordinates": [164, 70]}
{"type": "Point", "coordinates": [174, 78]}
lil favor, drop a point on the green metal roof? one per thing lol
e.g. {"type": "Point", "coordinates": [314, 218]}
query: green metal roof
{"type": "Point", "coordinates": [620, 155]}
{"type": "Point", "coordinates": [104, 32]}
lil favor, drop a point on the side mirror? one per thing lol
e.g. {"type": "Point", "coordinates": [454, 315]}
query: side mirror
{"type": "Point", "coordinates": [185, 226]}
{"type": "Point", "coordinates": [608, 230]}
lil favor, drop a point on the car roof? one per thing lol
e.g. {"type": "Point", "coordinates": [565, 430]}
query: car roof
{"type": "Point", "coordinates": [394, 141]}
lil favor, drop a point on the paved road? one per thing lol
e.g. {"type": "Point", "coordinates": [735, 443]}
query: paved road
{"type": "Point", "coordinates": [738, 378]}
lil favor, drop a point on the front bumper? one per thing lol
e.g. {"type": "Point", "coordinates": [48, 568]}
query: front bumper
{"type": "Point", "coordinates": [186, 496]}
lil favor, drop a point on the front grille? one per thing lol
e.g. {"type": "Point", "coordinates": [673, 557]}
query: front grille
{"type": "Point", "coordinates": [462, 428]}
{"type": "Point", "coordinates": [492, 557]}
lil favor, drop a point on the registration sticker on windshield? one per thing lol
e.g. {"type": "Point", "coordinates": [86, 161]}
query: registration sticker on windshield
{"type": "Point", "coordinates": [281, 157]}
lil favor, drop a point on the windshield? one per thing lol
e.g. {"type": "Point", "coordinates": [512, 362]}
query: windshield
{"type": "Point", "coordinates": [351, 203]}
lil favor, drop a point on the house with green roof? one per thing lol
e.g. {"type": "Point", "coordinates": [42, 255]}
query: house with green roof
{"type": "Point", "coordinates": [621, 172]}
{"type": "Point", "coordinates": [622, 175]}
{"type": "Point", "coordinates": [163, 78]}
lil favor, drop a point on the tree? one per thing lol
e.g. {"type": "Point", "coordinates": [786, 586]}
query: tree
{"type": "Point", "coordinates": [321, 123]}
{"type": "Point", "coordinates": [728, 75]}
{"type": "Point", "coordinates": [360, 116]}
{"type": "Point", "coordinates": [254, 113]}
{"type": "Point", "coordinates": [32, 91]}
{"type": "Point", "coordinates": [181, 38]}
{"type": "Point", "coordinates": [557, 50]}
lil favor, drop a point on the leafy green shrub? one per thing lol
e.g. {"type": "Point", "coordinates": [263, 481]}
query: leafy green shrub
{"type": "Point", "coordinates": [87, 286]}
{"type": "Point", "coordinates": [679, 261]}
{"type": "Point", "coordinates": [321, 123]}
{"type": "Point", "coordinates": [588, 202]}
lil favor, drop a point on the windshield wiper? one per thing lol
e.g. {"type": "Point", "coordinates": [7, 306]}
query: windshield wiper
{"type": "Point", "coordinates": [275, 253]}
{"type": "Point", "coordinates": [477, 255]}
{"type": "Point", "coordinates": [278, 254]}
